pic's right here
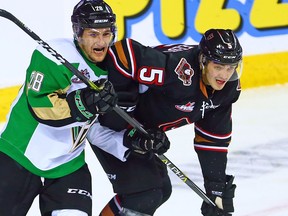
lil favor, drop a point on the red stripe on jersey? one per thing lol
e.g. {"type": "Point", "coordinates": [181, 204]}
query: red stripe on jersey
{"type": "Point", "coordinates": [132, 57]}
{"type": "Point", "coordinates": [210, 148]}
{"type": "Point", "coordinates": [117, 66]}
{"type": "Point", "coordinates": [175, 124]}
{"type": "Point", "coordinates": [215, 136]}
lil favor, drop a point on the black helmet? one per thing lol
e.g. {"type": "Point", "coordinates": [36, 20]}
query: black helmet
{"type": "Point", "coordinates": [222, 46]}
{"type": "Point", "coordinates": [92, 14]}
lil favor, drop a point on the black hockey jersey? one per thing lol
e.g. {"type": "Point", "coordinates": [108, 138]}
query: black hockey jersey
{"type": "Point", "coordinates": [167, 81]}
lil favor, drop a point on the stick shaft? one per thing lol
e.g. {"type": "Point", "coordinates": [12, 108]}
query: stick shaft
{"type": "Point", "coordinates": [117, 109]}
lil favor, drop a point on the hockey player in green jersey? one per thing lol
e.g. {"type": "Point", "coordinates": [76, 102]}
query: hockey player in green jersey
{"type": "Point", "coordinates": [42, 142]}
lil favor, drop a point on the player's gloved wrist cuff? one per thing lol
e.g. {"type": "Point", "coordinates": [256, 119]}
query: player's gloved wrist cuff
{"type": "Point", "coordinates": [78, 108]}
{"type": "Point", "coordinates": [210, 210]}
{"type": "Point", "coordinates": [132, 141]}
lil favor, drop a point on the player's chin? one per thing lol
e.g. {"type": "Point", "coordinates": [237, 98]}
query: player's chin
{"type": "Point", "coordinates": [98, 57]}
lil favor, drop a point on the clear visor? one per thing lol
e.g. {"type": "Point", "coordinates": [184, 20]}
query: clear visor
{"type": "Point", "coordinates": [238, 71]}
{"type": "Point", "coordinates": [103, 36]}
{"type": "Point", "coordinates": [237, 66]}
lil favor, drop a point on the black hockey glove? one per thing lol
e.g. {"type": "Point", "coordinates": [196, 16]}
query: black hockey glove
{"type": "Point", "coordinates": [126, 101]}
{"type": "Point", "coordinates": [86, 103]}
{"type": "Point", "coordinates": [158, 143]}
{"type": "Point", "coordinates": [222, 195]}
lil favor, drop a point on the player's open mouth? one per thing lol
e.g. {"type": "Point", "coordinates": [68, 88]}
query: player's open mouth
{"type": "Point", "coordinates": [220, 82]}
{"type": "Point", "coordinates": [98, 49]}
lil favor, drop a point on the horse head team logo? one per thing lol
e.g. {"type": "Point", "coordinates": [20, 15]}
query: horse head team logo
{"type": "Point", "coordinates": [85, 72]}
{"type": "Point", "coordinates": [184, 72]}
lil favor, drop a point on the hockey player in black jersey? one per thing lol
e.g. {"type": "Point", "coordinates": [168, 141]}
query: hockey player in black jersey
{"type": "Point", "coordinates": [170, 86]}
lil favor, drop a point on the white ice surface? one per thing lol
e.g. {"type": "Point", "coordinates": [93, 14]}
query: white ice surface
{"type": "Point", "coordinates": [258, 158]}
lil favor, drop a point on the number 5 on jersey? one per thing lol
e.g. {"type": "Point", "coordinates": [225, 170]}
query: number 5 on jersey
{"type": "Point", "coordinates": [149, 75]}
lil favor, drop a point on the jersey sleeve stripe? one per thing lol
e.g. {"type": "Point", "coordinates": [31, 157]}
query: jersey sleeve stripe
{"type": "Point", "coordinates": [210, 148]}
{"type": "Point", "coordinates": [132, 57]}
{"type": "Point", "coordinates": [121, 55]}
{"type": "Point", "coordinates": [215, 136]}
{"type": "Point", "coordinates": [117, 65]}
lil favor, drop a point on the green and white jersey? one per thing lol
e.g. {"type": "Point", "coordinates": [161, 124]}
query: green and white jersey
{"type": "Point", "coordinates": [40, 131]}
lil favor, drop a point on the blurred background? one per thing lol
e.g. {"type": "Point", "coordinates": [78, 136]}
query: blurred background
{"type": "Point", "coordinates": [264, 40]}
{"type": "Point", "coordinates": [260, 116]}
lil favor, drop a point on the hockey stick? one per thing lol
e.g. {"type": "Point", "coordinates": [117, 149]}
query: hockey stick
{"type": "Point", "coordinates": [186, 180]}
{"type": "Point", "coordinates": [117, 109]}
{"type": "Point", "coordinates": [62, 60]}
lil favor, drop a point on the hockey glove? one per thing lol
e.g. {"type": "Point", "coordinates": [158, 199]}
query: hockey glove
{"type": "Point", "coordinates": [86, 103]}
{"type": "Point", "coordinates": [158, 143]}
{"type": "Point", "coordinates": [222, 195]}
{"type": "Point", "coordinates": [126, 101]}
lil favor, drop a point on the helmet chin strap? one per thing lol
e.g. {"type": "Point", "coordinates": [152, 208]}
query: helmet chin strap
{"type": "Point", "coordinates": [203, 62]}
{"type": "Point", "coordinates": [204, 78]}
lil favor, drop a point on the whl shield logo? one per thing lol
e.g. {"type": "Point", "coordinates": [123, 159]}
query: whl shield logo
{"type": "Point", "coordinates": [186, 108]}
{"type": "Point", "coordinates": [77, 80]}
